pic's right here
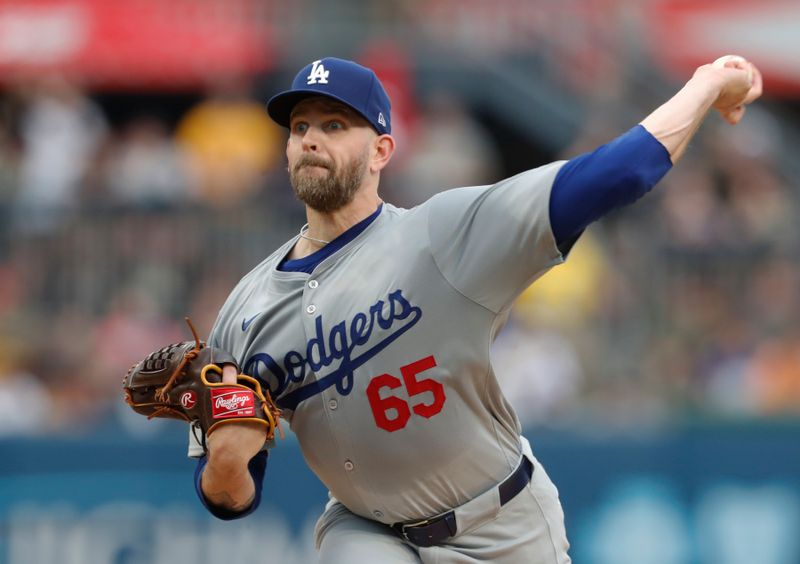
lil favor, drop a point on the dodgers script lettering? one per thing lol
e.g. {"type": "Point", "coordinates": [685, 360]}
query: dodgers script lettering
{"type": "Point", "coordinates": [345, 343]}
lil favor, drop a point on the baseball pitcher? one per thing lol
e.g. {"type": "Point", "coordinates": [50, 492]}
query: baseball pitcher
{"type": "Point", "coordinates": [369, 332]}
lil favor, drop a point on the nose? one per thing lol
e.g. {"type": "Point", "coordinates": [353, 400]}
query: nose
{"type": "Point", "coordinates": [310, 140]}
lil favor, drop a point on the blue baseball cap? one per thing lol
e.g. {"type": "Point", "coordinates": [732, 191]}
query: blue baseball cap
{"type": "Point", "coordinates": [348, 82]}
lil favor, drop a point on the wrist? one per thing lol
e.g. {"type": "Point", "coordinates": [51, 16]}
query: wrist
{"type": "Point", "coordinates": [722, 88]}
{"type": "Point", "coordinates": [231, 492]}
{"type": "Point", "coordinates": [227, 459]}
{"type": "Point", "coordinates": [707, 86]}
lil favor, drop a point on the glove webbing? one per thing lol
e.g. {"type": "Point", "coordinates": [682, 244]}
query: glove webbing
{"type": "Point", "coordinates": [161, 395]}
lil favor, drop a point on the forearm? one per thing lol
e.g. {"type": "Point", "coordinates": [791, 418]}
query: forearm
{"type": "Point", "coordinates": [675, 122]}
{"type": "Point", "coordinates": [618, 173]}
{"type": "Point", "coordinates": [231, 499]}
{"type": "Point", "coordinates": [226, 482]}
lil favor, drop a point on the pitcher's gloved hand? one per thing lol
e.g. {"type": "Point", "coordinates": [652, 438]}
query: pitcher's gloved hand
{"type": "Point", "coordinates": [184, 381]}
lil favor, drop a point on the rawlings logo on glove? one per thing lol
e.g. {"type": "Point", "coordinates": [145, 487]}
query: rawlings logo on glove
{"type": "Point", "coordinates": [184, 381]}
{"type": "Point", "coordinates": [232, 403]}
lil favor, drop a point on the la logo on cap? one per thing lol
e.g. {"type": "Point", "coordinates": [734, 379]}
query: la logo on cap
{"type": "Point", "coordinates": [318, 73]}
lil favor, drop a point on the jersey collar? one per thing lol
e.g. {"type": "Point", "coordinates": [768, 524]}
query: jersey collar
{"type": "Point", "coordinates": [308, 263]}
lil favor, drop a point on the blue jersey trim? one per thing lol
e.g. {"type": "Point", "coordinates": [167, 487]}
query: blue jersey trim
{"type": "Point", "coordinates": [309, 263]}
{"type": "Point", "coordinates": [613, 175]}
{"type": "Point", "coordinates": [257, 468]}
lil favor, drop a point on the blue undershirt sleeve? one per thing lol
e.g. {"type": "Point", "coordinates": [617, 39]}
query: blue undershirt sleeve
{"type": "Point", "coordinates": [614, 175]}
{"type": "Point", "coordinates": [257, 467]}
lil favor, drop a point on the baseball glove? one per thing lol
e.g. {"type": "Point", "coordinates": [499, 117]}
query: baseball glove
{"type": "Point", "coordinates": [184, 381]}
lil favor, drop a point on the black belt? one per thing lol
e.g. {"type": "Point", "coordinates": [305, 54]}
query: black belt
{"type": "Point", "coordinates": [434, 531]}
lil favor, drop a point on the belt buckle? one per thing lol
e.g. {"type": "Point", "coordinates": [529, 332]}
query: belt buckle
{"type": "Point", "coordinates": [405, 526]}
{"type": "Point", "coordinates": [429, 537]}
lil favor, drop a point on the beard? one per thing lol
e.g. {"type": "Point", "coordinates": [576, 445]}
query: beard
{"type": "Point", "coordinates": [331, 191]}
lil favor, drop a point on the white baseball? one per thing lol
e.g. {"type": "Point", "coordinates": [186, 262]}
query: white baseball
{"type": "Point", "coordinates": [720, 63]}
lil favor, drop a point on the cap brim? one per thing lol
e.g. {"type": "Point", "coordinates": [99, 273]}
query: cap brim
{"type": "Point", "coordinates": [281, 105]}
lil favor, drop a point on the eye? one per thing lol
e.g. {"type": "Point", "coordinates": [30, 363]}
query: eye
{"type": "Point", "coordinates": [299, 127]}
{"type": "Point", "coordinates": [335, 125]}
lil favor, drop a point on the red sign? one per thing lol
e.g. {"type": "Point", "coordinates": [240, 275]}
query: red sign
{"type": "Point", "coordinates": [119, 43]}
{"type": "Point", "coordinates": [684, 34]}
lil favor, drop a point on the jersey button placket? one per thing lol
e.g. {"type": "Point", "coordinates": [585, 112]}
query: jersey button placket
{"type": "Point", "coordinates": [332, 403]}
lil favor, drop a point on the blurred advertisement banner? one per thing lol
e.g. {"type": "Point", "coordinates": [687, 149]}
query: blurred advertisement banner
{"type": "Point", "coordinates": [125, 43]}
{"type": "Point", "coordinates": [700, 494]}
{"type": "Point", "coordinates": [687, 33]}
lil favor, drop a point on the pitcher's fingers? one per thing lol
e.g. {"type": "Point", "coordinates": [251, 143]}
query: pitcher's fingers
{"type": "Point", "coordinates": [757, 88]}
{"type": "Point", "coordinates": [229, 374]}
{"type": "Point", "coordinates": [735, 115]}
{"type": "Point", "coordinates": [736, 63]}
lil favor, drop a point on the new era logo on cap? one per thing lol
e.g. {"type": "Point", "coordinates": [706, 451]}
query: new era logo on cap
{"type": "Point", "coordinates": [345, 81]}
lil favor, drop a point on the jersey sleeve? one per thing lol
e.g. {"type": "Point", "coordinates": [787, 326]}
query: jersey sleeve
{"type": "Point", "coordinates": [491, 242]}
{"type": "Point", "coordinates": [216, 338]}
{"type": "Point", "coordinates": [614, 175]}
{"type": "Point", "coordinates": [257, 468]}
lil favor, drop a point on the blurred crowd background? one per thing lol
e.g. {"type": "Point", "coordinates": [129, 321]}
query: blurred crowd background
{"type": "Point", "coordinates": [140, 178]}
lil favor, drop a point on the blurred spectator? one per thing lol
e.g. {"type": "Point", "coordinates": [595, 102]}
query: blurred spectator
{"type": "Point", "coordinates": [63, 346]}
{"type": "Point", "coordinates": [536, 357]}
{"type": "Point", "coordinates": [572, 292]}
{"type": "Point", "coordinates": [692, 214]}
{"type": "Point", "coordinates": [391, 63]}
{"type": "Point", "coordinates": [719, 347]}
{"type": "Point", "coordinates": [135, 325]}
{"type": "Point", "coordinates": [25, 404]}
{"type": "Point", "coordinates": [9, 160]}
{"type": "Point", "coordinates": [450, 149]}
{"type": "Point", "coordinates": [775, 374]}
{"type": "Point", "coordinates": [61, 131]}
{"type": "Point", "coordinates": [759, 202]}
{"type": "Point", "coordinates": [773, 300]}
{"type": "Point", "coordinates": [684, 303]}
{"type": "Point", "coordinates": [539, 371]}
{"type": "Point", "coordinates": [146, 167]}
{"type": "Point", "coordinates": [8, 164]}
{"type": "Point", "coordinates": [231, 141]}
{"type": "Point", "coordinates": [11, 289]}
{"type": "Point", "coordinates": [213, 287]}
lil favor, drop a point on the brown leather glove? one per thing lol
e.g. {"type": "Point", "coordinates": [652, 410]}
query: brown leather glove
{"type": "Point", "coordinates": [184, 381]}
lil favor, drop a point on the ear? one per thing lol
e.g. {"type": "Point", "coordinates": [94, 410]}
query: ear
{"type": "Point", "coordinates": [383, 149]}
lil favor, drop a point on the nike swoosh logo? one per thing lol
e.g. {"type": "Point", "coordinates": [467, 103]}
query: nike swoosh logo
{"type": "Point", "coordinates": [246, 322]}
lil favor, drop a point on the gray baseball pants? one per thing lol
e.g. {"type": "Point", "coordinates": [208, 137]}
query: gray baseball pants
{"type": "Point", "coordinates": [529, 529]}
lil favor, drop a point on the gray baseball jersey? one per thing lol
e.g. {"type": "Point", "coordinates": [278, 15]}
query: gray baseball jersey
{"type": "Point", "coordinates": [380, 358]}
